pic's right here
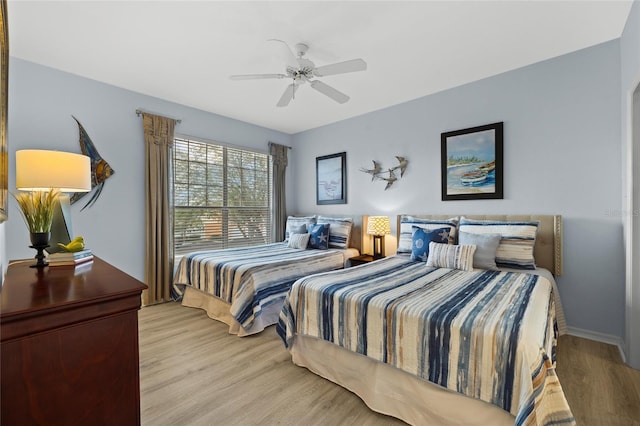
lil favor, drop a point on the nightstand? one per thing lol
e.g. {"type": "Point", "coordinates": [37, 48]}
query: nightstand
{"type": "Point", "coordinates": [361, 260]}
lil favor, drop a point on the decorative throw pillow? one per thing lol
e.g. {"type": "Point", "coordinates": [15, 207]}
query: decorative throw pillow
{"type": "Point", "coordinates": [486, 246]}
{"type": "Point", "coordinates": [340, 230]}
{"type": "Point", "coordinates": [451, 256]}
{"type": "Point", "coordinates": [407, 223]}
{"type": "Point", "coordinates": [319, 236]}
{"type": "Point", "coordinates": [421, 239]}
{"type": "Point", "coordinates": [298, 241]}
{"type": "Point", "coordinates": [517, 240]}
{"type": "Point", "coordinates": [297, 221]}
{"type": "Point", "coordinates": [302, 229]}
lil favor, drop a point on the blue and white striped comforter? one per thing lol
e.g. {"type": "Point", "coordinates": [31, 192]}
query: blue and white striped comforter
{"type": "Point", "coordinates": [486, 334]}
{"type": "Point", "coordinates": [251, 278]}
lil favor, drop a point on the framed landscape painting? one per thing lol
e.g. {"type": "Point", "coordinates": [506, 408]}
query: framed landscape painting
{"type": "Point", "coordinates": [331, 179]}
{"type": "Point", "coordinates": [472, 163]}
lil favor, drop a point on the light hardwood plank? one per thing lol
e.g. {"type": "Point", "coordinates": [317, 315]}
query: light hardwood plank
{"type": "Point", "coordinates": [600, 388]}
{"type": "Point", "coordinates": [192, 372]}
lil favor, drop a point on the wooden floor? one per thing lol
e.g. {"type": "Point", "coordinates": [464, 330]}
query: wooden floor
{"type": "Point", "coordinates": [600, 388]}
{"type": "Point", "coordinates": [192, 372]}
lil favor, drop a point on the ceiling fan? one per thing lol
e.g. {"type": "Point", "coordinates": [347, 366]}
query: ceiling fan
{"type": "Point", "coordinates": [302, 70]}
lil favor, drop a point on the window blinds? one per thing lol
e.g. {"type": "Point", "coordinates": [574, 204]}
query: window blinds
{"type": "Point", "coordinates": [222, 196]}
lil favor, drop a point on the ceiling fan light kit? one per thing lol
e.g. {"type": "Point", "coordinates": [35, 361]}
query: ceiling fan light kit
{"type": "Point", "coordinates": [301, 70]}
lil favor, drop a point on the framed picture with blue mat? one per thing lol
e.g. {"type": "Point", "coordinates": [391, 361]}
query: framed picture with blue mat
{"type": "Point", "coordinates": [472, 163]}
{"type": "Point", "coordinates": [331, 179]}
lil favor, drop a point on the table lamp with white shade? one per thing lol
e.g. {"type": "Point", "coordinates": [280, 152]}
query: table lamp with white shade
{"type": "Point", "coordinates": [48, 175]}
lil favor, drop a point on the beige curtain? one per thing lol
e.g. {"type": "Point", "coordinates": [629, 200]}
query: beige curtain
{"type": "Point", "coordinates": [279, 156]}
{"type": "Point", "coordinates": [158, 138]}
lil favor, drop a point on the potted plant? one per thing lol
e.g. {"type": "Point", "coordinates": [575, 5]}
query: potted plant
{"type": "Point", "coordinates": [37, 210]}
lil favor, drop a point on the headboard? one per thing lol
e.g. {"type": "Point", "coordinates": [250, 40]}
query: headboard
{"type": "Point", "coordinates": [548, 248]}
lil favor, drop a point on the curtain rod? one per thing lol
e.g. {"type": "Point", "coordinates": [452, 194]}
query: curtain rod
{"type": "Point", "coordinates": [290, 147]}
{"type": "Point", "coordinates": [141, 111]}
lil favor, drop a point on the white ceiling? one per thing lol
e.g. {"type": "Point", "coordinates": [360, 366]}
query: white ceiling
{"type": "Point", "coordinates": [184, 52]}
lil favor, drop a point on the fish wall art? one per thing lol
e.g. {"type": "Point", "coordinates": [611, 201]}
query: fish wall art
{"type": "Point", "coordinates": [100, 169]}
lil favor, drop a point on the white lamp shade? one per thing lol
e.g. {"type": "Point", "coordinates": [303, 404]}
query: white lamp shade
{"type": "Point", "coordinates": [378, 225]}
{"type": "Point", "coordinates": [41, 170]}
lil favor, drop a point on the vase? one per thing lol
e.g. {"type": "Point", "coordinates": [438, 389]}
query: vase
{"type": "Point", "coordinates": [39, 241]}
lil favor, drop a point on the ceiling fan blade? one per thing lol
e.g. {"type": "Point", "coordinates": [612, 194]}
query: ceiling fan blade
{"type": "Point", "coordinates": [325, 89]}
{"type": "Point", "coordinates": [256, 76]}
{"type": "Point", "coordinates": [289, 56]}
{"type": "Point", "coordinates": [341, 67]}
{"type": "Point", "coordinates": [287, 95]}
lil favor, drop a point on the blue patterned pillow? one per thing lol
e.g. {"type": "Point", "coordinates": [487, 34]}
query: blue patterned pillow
{"type": "Point", "coordinates": [517, 240]}
{"type": "Point", "coordinates": [295, 222]}
{"type": "Point", "coordinates": [340, 230]}
{"type": "Point", "coordinates": [421, 239]}
{"type": "Point", "coordinates": [408, 222]}
{"type": "Point", "coordinates": [319, 236]}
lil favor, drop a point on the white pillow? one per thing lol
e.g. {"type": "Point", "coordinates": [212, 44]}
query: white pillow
{"type": "Point", "coordinates": [298, 241]}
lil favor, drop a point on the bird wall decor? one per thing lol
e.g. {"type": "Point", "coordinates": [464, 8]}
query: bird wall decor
{"type": "Point", "coordinates": [377, 173]}
{"type": "Point", "coordinates": [377, 168]}
{"type": "Point", "coordinates": [100, 169]}
{"type": "Point", "coordinates": [402, 165]}
{"type": "Point", "coordinates": [390, 180]}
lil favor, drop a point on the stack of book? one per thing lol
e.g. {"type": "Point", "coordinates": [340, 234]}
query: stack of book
{"type": "Point", "coordinates": [70, 259]}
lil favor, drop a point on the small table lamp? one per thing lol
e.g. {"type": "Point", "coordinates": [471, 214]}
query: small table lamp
{"type": "Point", "coordinates": [44, 171]}
{"type": "Point", "coordinates": [378, 226]}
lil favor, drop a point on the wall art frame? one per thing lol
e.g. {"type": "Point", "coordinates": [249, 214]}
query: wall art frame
{"type": "Point", "coordinates": [331, 179]}
{"type": "Point", "coordinates": [472, 163]}
{"type": "Point", "coordinates": [4, 92]}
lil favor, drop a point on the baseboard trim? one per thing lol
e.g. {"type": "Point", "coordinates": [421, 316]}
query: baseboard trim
{"type": "Point", "coordinates": [599, 337]}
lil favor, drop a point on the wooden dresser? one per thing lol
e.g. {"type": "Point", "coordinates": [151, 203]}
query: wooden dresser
{"type": "Point", "coordinates": [69, 350]}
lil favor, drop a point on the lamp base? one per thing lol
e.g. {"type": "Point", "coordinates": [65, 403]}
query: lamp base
{"type": "Point", "coordinates": [378, 246]}
{"type": "Point", "coordinates": [39, 241]}
{"type": "Point", "coordinates": [60, 224]}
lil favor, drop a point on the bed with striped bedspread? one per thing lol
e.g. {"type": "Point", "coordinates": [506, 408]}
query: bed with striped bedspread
{"type": "Point", "coordinates": [251, 279]}
{"type": "Point", "coordinates": [486, 334]}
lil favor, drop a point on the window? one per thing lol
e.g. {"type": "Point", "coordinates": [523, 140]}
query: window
{"type": "Point", "coordinates": [222, 196]}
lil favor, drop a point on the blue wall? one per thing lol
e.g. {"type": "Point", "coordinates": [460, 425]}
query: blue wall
{"type": "Point", "coordinates": [41, 102]}
{"type": "Point", "coordinates": [562, 156]}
